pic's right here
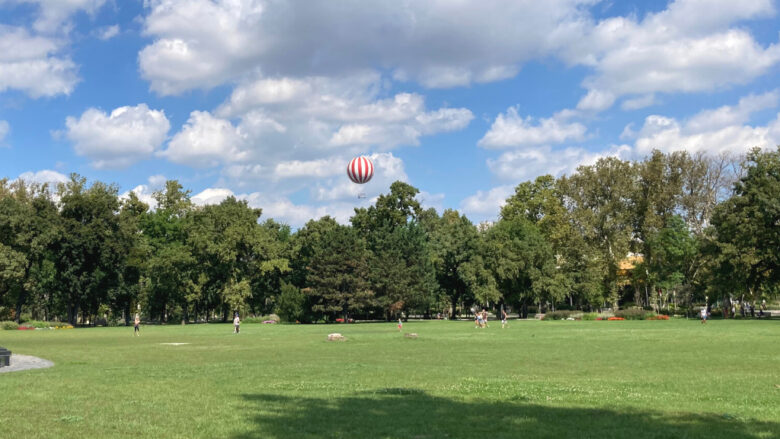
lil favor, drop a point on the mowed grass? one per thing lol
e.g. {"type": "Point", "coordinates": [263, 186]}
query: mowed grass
{"type": "Point", "coordinates": [635, 379]}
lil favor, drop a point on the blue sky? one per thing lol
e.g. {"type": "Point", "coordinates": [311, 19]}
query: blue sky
{"type": "Point", "coordinates": [268, 100]}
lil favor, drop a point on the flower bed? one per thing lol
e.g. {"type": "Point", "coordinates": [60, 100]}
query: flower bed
{"type": "Point", "coordinates": [658, 317]}
{"type": "Point", "coordinates": [26, 328]}
{"type": "Point", "coordinates": [615, 318]}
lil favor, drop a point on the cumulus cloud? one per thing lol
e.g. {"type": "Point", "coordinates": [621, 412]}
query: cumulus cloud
{"type": "Point", "coordinates": [107, 32]}
{"type": "Point", "coordinates": [203, 43]}
{"type": "Point", "coordinates": [527, 164]}
{"type": "Point", "coordinates": [119, 139]}
{"type": "Point", "coordinates": [55, 15]}
{"type": "Point", "coordinates": [512, 130]}
{"type": "Point", "coordinates": [486, 204]}
{"type": "Point", "coordinates": [44, 176]}
{"type": "Point", "coordinates": [206, 141]}
{"type": "Point", "coordinates": [34, 64]}
{"type": "Point", "coordinates": [692, 46]}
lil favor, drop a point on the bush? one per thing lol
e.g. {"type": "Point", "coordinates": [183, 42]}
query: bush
{"type": "Point", "coordinates": [8, 325]}
{"type": "Point", "coordinates": [590, 316]}
{"type": "Point", "coordinates": [633, 314]}
{"type": "Point", "coordinates": [559, 315]}
{"type": "Point", "coordinates": [291, 302]}
{"type": "Point", "coordinates": [261, 319]}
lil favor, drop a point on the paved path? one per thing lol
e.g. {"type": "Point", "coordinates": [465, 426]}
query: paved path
{"type": "Point", "coordinates": [25, 362]}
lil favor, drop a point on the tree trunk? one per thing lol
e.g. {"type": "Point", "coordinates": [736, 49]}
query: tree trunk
{"type": "Point", "coordinates": [454, 314]}
{"type": "Point", "coordinates": [22, 298]}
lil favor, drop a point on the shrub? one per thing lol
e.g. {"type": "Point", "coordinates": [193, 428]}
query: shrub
{"type": "Point", "coordinates": [633, 314]}
{"type": "Point", "coordinates": [8, 325]}
{"type": "Point", "coordinates": [290, 305]}
{"type": "Point", "coordinates": [558, 315]}
{"type": "Point", "coordinates": [261, 319]}
{"type": "Point", "coordinates": [590, 316]}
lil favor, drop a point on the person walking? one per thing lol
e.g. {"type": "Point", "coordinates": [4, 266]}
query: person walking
{"type": "Point", "coordinates": [503, 318]}
{"type": "Point", "coordinates": [400, 324]}
{"type": "Point", "coordinates": [236, 323]}
{"type": "Point", "coordinates": [137, 326]}
{"type": "Point", "coordinates": [704, 315]}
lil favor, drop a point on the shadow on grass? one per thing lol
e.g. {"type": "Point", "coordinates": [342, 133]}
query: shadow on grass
{"type": "Point", "coordinates": [410, 413]}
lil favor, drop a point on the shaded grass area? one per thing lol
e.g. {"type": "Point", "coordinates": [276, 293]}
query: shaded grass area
{"type": "Point", "coordinates": [534, 379]}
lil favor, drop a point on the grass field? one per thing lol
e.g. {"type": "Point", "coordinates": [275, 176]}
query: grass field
{"type": "Point", "coordinates": [634, 379]}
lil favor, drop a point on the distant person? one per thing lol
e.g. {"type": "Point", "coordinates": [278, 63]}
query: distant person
{"type": "Point", "coordinates": [137, 326]}
{"type": "Point", "coordinates": [480, 320]}
{"type": "Point", "coordinates": [704, 315]}
{"type": "Point", "coordinates": [484, 318]}
{"type": "Point", "coordinates": [400, 324]}
{"type": "Point", "coordinates": [236, 324]}
{"type": "Point", "coordinates": [503, 318]}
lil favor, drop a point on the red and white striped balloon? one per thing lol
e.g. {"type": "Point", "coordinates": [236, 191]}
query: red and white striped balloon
{"type": "Point", "coordinates": [360, 170]}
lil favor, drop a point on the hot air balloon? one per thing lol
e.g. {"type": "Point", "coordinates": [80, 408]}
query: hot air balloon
{"type": "Point", "coordinates": [360, 170]}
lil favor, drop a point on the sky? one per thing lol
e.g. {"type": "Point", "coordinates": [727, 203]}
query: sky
{"type": "Point", "coordinates": [268, 100]}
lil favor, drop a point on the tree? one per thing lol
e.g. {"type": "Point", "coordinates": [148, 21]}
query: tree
{"type": "Point", "coordinates": [460, 271]}
{"type": "Point", "coordinates": [337, 274]}
{"type": "Point", "coordinates": [91, 246]}
{"type": "Point", "coordinates": [746, 231]}
{"type": "Point", "coordinates": [599, 199]}
{"type": "Point", "coordinates": [522, 263]}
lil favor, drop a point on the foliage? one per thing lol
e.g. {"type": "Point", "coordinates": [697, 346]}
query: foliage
{"type": "Point", "coordinates": [634, 314]}
{"type": "Point", "coordinates": [659, 233]}
{"type": "Point", "coordinates": [9, 325]}
{"type": "Point", "coordinates": [562, 315]}
{"type": "Point", "coordinates": [291, 302]}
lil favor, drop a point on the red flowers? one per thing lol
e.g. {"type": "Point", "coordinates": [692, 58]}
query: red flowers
{"type": "Point", "coordinates": [26, 328]}
{"type": "Point", "coordinates": [658, 317]}
{"type": "Point", "coordinates": [339, 320]}
{"type": "Point", "coordinates": [616, 318]}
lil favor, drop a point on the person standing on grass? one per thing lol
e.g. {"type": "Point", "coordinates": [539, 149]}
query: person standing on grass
{"type": "Point", "coordinates": [400, 324]}
{"type": "Point", "coordinates": [137, 326]}
{"type": "Point", "coordinates": [704, 315]}
{"type": "Point", "coordinates": [503, 318]}
{"type": "Point", "coordinates": [236, 323]}
{"type": "Point", "coordinates": [484, 317]}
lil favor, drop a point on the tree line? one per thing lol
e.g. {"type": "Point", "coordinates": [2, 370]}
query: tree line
{"type": "Point", "coordinates": [667, 232]}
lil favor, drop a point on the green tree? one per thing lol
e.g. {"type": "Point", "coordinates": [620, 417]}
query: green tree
{"type": "Point", "coordinates": [91, 246]}
{"type": "Point", "coordinates": [746, 232]}
{"type": "Point", "coordinates": [337, 273]}
{"type": "Point", "coordinates": [522, 262]}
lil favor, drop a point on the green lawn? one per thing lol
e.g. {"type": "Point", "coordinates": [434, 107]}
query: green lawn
{"type": "Point", "coordinates": [633, 379]}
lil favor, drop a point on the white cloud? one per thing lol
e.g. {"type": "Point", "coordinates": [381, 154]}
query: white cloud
{"type": "Point", "coordinates": [486, 204]}
{"type": "Point", "coordinates": [692, 46]}
{"type": "Point", "coordinates": [126, 136]}
{"type": "Point", "coordinates": [33, 64]}
{"type": "Point", "coordinates": [527, 164]}
{"type": "Point", "coordinates": [206, 141]}
{"type": "Point", "coordinates": [639, 102]}
{"type": "Point", "coordinates": [203, 43]}
{"type": "Point", "coordinates": [512, 130]}
{"type": "Point", "coordinates": [211, 196]}
{"type": "Point", "coordinates": [724, 129]}
{"type": "Point", "coordinates": [5, 128]}
{"type": "Point", "coordinates": [667, 134]}
{"type": "Point", "coordinates": [596, 100]}
{"type": "Point", "coordinates": [145, 192]}
{"type": "Point", "coordinates": [44, 176]}
{"type": "Point", "coordinates": [108, 32]}
{"type": "Point", "coordinates": [55, 15]}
